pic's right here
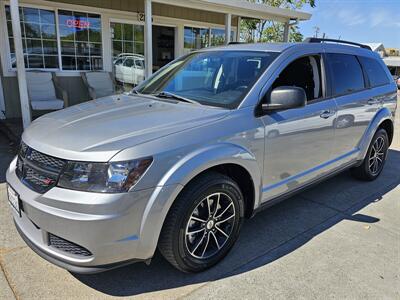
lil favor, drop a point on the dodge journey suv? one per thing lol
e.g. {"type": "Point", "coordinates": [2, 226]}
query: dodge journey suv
{"type": "Point", "coordinates": [206, 142]}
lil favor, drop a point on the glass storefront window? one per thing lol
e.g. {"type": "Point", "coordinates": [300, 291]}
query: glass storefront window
{"type": "Point", "coordinates": [196, 38]}
{"type": "Point", "coordinates": [80, 36]}
{"type": "Point", "coordinates": [127, 38]}
{"type": "Point", "coordinates": [39, 38]}
{"type": "Point", "coordinates": [218, 36]}
{"type": "Point", "coordinates": [127, 53]}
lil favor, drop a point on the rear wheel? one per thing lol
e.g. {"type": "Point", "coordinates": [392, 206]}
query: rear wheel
{"type": "Point", "coordinates": [203, 224]}
{"type": "Point", "coordinates": [374, 161]}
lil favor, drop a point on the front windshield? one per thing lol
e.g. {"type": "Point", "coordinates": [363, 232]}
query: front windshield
{"type": "Point", "coordinates": [217, 78]}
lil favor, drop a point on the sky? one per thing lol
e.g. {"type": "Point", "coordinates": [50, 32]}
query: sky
{"type": "Point", "coordinates": [363, 21]}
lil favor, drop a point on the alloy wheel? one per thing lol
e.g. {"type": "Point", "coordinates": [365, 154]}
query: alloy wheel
{"type": "Point", "coordinates": [377, 156]}
{"type": "Point", "coordinates": [210, 225]}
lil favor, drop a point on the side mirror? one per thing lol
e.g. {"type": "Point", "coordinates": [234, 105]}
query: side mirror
{"type": "Point", "coordinates": [285, 97]}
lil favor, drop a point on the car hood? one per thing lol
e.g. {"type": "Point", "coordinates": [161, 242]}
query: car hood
{"type": "Point", "coordinates": [99, 129]}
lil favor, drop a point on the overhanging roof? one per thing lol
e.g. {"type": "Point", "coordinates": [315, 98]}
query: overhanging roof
{"type": "Point", "coordinates": [242, 8]}
{"type": "Point", "coordinates": [392, 61]}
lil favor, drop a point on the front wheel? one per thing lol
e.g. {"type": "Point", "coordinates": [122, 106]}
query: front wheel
{"type": "Point", "coordinates": [374, 161]}
{"type": "Point", "coordinates": [203, 224]}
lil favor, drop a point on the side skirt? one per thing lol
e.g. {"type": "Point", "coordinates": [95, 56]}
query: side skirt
{"type": "Point", "coordinates": [306, 186]}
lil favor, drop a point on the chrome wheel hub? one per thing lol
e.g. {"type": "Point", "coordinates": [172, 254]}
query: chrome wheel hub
{"type": "Point", "coordinates": [377, 156]}
{"type": "Point", "coordinates": [210, 225]}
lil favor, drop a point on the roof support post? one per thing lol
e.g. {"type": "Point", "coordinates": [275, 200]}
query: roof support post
{"type": "Point", "coordinates": [148, 33]}
{"type": "Point", "coordinates": [239, 21]}
{"type": "Point", "coordinates": [286, 32]}
{"type": "Point", "coordinates": [19, 55]}
{"type": "Point", "coordinates": [228, 28]}
{"type": "Point", "coordinates": [2, 105]}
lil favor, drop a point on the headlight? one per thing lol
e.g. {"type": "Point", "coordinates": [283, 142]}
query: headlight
{"type": "Point", "coordinates": [115, 177]}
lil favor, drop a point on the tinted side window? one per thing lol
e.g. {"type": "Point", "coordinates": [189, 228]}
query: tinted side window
{"type": "Point", "coordinates": [376, 75]}
{"type": "Point", "coordinates": [128, 62]}
{"type": "Point", "coordinates": [347, 75]}
{"type": "Point", "coordinates": [304, 72]}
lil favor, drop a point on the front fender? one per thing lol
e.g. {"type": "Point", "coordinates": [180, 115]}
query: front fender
{"type": "Point", "coordinates": [181, 174]}
{"type": "Point", "coordinates": [382, 115]}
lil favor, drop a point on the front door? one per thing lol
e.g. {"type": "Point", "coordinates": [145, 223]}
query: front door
{"type": "Point", "coordinates": [163, 46]}
{"type": "Point", "coordinates": [298, 142]}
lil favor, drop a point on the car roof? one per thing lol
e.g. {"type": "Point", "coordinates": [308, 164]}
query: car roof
{"type": "Point", "coordinates": [268, 47]}
{"type": "Point", "coordinates": [280, 47]}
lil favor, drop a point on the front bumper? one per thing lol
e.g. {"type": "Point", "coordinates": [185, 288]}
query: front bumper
{"type": "Point", "coordinates": [112, 227]}
{"type": "Point", "coordinates": [68, 266]}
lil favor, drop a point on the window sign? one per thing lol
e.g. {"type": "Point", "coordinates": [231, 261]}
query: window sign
{"type": "Point", "coordinates": [80, 35]}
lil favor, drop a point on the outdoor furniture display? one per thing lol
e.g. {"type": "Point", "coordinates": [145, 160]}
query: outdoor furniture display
{"type": "Point", "coordinates": [44, 91]}
{"type": "Point", "coordinates": [99, 84]}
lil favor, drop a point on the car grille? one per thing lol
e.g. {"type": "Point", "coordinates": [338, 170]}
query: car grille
{"type": "Point", "coordinates": [36, 170]}
{"type": "Point", "coordinates": [66, 246]}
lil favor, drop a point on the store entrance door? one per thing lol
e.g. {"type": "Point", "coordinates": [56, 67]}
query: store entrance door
{"type": "Point", "coordinates": [163, 46]}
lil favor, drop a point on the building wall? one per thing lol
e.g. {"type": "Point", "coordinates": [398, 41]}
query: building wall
{"type": "Point", "coordinates": [159, 9]}
{"type": "Point", "coordinates": [11, 96]}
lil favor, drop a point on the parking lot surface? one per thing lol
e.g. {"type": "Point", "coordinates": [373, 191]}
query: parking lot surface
{"type": "Point", "coordinates": [340, 239]}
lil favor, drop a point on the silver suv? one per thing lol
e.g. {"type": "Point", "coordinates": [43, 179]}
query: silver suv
{"type": "Point", "coordinates": [206, 142]}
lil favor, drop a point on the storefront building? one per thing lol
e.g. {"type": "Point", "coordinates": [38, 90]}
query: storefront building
{"type": "Point", "coordinates": [68, 37]}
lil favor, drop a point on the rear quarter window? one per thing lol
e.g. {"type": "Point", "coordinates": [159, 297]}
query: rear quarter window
{"type": "Point", "coordinates": [376, 74]}
{"type": "Point", "coordinates": [346, 72]}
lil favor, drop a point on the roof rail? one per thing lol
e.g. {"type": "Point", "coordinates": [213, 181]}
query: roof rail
{"type": "Point", "coordinates": [319, 40]}
{"type": "Point", "coordinates": [236, 43]}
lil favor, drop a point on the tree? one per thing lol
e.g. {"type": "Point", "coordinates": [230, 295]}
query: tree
{"type": "Point", "coordinates": [272, 31]}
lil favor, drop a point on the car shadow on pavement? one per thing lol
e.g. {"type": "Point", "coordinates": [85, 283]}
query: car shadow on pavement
{"type": "Point", "coordinates": [265, 238]}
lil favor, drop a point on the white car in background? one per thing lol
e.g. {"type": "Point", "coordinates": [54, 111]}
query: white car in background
{"type": "Point", "coordinates": [129, 68]}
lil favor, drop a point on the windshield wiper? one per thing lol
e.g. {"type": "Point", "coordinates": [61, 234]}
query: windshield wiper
{"type": "Point", "coordinates": [133, 91]}
{"type": "Point", "coordinates": [168, 95]}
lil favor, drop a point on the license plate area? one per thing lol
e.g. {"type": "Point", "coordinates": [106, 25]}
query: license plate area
{"type": "Point", "coordinates": [13, 199]}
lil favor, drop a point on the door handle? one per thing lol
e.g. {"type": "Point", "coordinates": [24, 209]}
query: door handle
{"type": "Point", "coordinates": [327, 114]}
{"type": "Point", "coordinates": [372, 101]}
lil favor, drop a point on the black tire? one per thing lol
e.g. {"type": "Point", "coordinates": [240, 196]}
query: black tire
{"type": "Point", "coordinates": [367, 172]}
{"type": "Point", "coordinates": [175, 244]}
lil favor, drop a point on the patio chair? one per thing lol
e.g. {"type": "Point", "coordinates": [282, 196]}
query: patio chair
{"type": "Point", "coordinates": [44, 91]}
{"type": "Point", "coordinates": [99, 84]}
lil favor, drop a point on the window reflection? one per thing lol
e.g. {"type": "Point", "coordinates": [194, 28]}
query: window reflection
{"type": "Point", "coordinates": [39, 38]}
{"type": "Point", "coordinates": [127, 47]}
{"type": "Point", "coordinates": [80, 35]}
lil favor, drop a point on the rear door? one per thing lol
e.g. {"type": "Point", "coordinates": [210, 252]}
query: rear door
{"type": "Point", "coordinates": [356, 102]}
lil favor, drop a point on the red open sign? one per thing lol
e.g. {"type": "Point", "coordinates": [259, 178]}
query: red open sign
{"type": "Point", "coordinates": [74, 23]}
